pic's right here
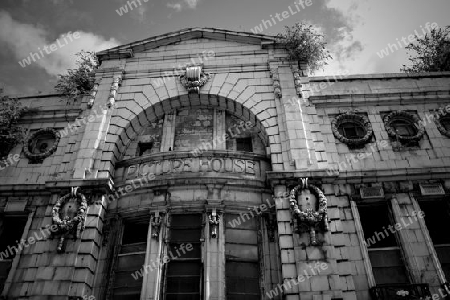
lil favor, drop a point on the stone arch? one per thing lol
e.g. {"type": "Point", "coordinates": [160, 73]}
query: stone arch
{"type": "Point", "coordinates": [133, 112]}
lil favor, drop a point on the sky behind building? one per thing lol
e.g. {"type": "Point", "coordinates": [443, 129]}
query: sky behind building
{"type": "Point", "coordinates": [364, 36]}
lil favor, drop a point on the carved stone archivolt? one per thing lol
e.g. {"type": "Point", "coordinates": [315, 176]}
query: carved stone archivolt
{"type": "Point", "coordinates": [309, 205]}
{"type": "Point", "coordinates": [69, 215]}
{"type": "Point", "coordinates": [194, 79]}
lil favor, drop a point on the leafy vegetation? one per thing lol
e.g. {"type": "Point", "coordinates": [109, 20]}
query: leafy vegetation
{"type": "Point", "coordinates": [304, 43]}
{"type": "Point", "coordinates": [432, 52]}
{"type": "Point", "coordinates": [80, 80]}
{"type": "Point", "coordinates": [10, 134]}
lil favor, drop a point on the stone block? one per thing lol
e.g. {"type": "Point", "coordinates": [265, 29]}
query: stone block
{"type": "Point", "coordinates": [319, 283]}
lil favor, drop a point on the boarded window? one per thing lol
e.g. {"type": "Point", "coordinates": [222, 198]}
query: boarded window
{"type": "Point", "coordinates": [194, 129]}
{"type": "Point", "coordinates": [437, 217]}
{"type": "Point", "coordinates": [11, 230]}
{"type": "Point", "coordinates": [242, 258]}
{"type": "Point", "coordinates": [131, 258]}
{"type": "Point", "coordinates": [384, 252]}
{"type": "Point", "coordinates": [184, 270]}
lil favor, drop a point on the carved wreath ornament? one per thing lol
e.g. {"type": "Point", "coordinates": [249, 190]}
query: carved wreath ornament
{"type": "Point", "coordinates": [39, 157]}
{"type": "Point", "coordinates": [352, 117]}
{"type": "Point", "coordinates": [310, 219]}
{"type": "Point", "coordinates": [441, 127]}
{"type": "Point", "coordinates": [403, 115]}
{"type": "Point", "coordinates": [194, 79]}
{"type": "Point", "coordinates": [69, 225]}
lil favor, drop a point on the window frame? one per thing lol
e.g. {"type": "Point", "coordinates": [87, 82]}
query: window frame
{"type": "Point", "coordinates": [399, 246]}
{"type": "Point", "coordinates": [167, 247]}
{"type": "Point", "coordinates": [259, 243]}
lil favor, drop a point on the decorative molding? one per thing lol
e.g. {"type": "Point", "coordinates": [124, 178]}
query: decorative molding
{"type": "Point", "coordinates": [276, 83]}
{"type": "Point", "coordinates": [214, 221]}
{"type": "Point", "coordinates": [431, 189]}
{"type": "Point", "coordinates": [38, 158]}
{"type": "Point", "coordinates": [113, 90]}
{"type": "Point", "coordinates": [156, 221]}
{"type": "Point", "coordinates": [374, 192]}
{"type": "Point", "coordinates": [64, 223]}
{"type": "Point", "coordinates": [297, 80]}
{"type": "Point", "coordinates": [414, 119]}
{"type": "Point", "coordinates": [92, 95]}
{"type": "Point", "coordinates": [352, 117]}
{"type": "Point", "coordinates": [310, 220]}
{"type": "Point", "coordinates": [194, 78]}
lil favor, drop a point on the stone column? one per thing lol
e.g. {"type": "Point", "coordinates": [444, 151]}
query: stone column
{"type": "Point", "coordinates": [214, 262]}
{"type": "Point", "coordinates": [405, 235]}
{"type": "Point", "coordinates": [428, 241]}
{"type": "Point", "coordinates": [286, 242]}
{"type": "Point", "coordinates": [151, 283]}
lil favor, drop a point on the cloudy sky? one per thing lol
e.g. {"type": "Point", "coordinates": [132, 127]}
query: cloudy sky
{"type": "Point", "coordinates": [356, 30]}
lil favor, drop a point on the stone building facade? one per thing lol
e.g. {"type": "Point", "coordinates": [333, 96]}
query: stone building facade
{"type": "Point", "coordinates": [204, 165]}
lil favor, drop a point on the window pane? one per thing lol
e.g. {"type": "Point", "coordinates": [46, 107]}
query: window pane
{"type": "Point", "coordinates": [183, 297]}
{"type": "Point", "coordinates": [183, 277]}
{"type": "Point", "coordinates": [446, 123]}
{"type": "Point", "coordinates": [135, 233]}
{"type": "Point", "coordinates": [241, 236]}
{"type": "Point", "coordinates": [244, 144]}
{"type": "Point", "coordinates": [242, 221]}
{"type": "Point", "coordinates": [443, 253]}
{"type": "Point", "coordinates": [187, 235]}
{"type": "Point", "coordinates": [134, 240]}
{"type": "Point", "coordinates": [131, 248]}
{"type": "Point", "coordinates": [436, 216]}
{"type": "Point", "coordinates": [388, 266]}
{"type": "Point", "coordinates": [126, 280]}
{"type": "Point", "coordinates": [193, 220]}
{"type": "Point", "coordinates": [242, 278]}
{"type": "Point", "coordinates": [12, 231]}
{"type": "Point", "coordinates": [375, 222]}
{"type": "Point", "coordinates": [184, 268]}
{"type": "Point", "coordinates": [195, 251]}
{"type": "Point", "coordinates": [244, 252]}
{"type": "Point", "coordinates": [404, 128]}
{"type": "Point", "coordinates": [127, 294]}
{"type": "Point", "coordinates": [131, 262]}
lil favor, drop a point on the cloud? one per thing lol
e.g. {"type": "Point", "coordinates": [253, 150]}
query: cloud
{"type": "Point", "coordinates": [191, 4]}
{"type": "Point", "coordinates": [176, 6]}
{"type": "Point", "coordinates": [22, 39]}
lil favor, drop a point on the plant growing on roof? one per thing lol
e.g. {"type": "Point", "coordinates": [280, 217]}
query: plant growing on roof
{"type": "Point", "coordinates": [304, 43]}
{"type": "Point", "coordinates": [80, 80]}
{"type": "Point", "coordinates": [10, 112]}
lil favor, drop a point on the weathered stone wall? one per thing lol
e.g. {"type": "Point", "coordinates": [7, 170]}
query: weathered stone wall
{"type": "Point", "coordinates": [294, 140]}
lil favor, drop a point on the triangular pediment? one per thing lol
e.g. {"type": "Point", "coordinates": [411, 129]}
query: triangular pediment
{"type": "Point", "coordinates": [128, 50]}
